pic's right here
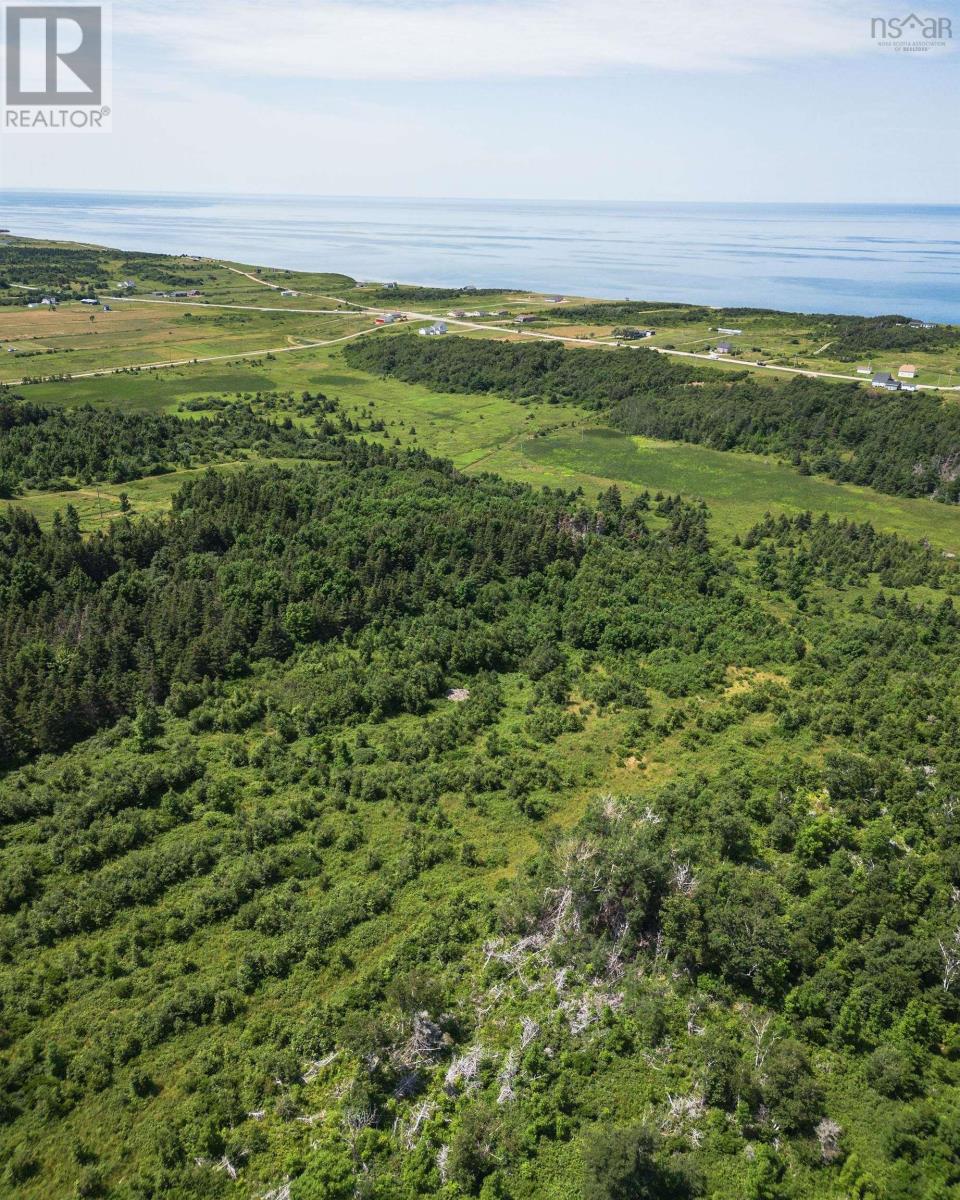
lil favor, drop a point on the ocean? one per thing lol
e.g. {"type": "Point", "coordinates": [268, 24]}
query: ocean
{"type": "Point", "coordinates": [866, 259]}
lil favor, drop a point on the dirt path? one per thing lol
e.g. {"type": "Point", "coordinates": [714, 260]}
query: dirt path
{"type": "Point", "coordinates": [187, 362]}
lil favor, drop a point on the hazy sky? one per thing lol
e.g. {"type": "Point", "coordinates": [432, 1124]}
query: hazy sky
{"type": "Point", "coordinates": [591, 99]}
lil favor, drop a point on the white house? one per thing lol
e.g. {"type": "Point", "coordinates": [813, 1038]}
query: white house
{"type": "Point", "coordinates": [433, 330]}
{"type": "Point", "coordinates": [907, 371]}
{"type": "Point", "coordinates": [908, 387]}
{"type": "Point", "coordinates": [864, 370]}
{"type": "Point", "coordinates": [89, 300]}
{"type": "Point", "coordinates": [723, 329]}
{"type": "Point", "coordinates": [724, 348]}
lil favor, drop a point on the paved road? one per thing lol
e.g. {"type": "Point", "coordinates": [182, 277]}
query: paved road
{"type": "Point", "coordinates": [458, 321]}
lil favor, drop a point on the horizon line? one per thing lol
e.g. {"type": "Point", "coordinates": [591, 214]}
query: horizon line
{"type": "Point", "coordinates": [154, 192]}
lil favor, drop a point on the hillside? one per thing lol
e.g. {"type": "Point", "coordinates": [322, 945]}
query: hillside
{"type": "Point", "coordinates": [264, 923]}
{"type": "Point", "coordinates": [401, 795]}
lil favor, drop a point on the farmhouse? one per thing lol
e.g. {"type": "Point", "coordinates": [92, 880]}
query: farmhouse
{"type": "Point", "coordinates": [907, 371]}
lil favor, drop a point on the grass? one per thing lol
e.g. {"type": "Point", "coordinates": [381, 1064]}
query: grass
{"type": "Point", "coordinates": [739, 488]}
{"type": "Point", "coordinates": [532, 442]}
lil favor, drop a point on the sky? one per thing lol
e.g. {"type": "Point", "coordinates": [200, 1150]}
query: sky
{"type": "Point", "coordinates": [663, 100]}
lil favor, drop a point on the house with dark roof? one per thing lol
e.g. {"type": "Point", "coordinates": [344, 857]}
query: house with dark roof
{"type": "Point", "coordinates": [883, 379]}
{"type": "Point", "coordinates": [724, 348]}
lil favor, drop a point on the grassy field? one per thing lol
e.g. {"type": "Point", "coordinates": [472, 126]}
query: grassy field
{"type": "Point", "coordinates": [74, 340]}
{"type": "Point", "coordinates": [531, 441]}
{"type": "Point", "coordinates": [739, 488]}
{"type": "Point", "coordinates": [534, 442]}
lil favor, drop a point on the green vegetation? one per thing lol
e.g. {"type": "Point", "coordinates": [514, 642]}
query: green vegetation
{"type": "Point", "coordinates": [414, 294]}
{"type": "Point", "coordinates": [44, 449]}
{"type": "Point", "coordinates": [373, 825]}
{"type": "Point", "coordinates": [903, 446]}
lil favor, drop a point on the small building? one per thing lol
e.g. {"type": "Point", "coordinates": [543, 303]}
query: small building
{"type": "Point", "coordinates": [723, 329]}
{"type": "Point", "coordinates": [456, 313]}
{"type": "Point", "coordinates": [922, 325]}
{"type": "Point", "coordinates": [864, 370]}
{"type": "Point", "coordinates": [89, 300]}
{"type": "Point", "coordinates": [908, 387]}
{"type": "Point", "coordinates": [883, 379]}
{"type": "Point", "coordinates": [555, 299]}
{"type": "Point", "coordinates": [724, 348]}
{"type": "Point", "coordinates": [49, 300]}
{"type": "Point", "coordinates": [433, 330]}
{"type": "Point", "coordinates": [106, 308]}
{"type": "Point", "coordinates": [525, 318]}
{"type": "Point", "coordinates": [907, 371]}
{"type": "Point", "coordinates": [125, 285]}
{"type": "Point", "coordinates": [391, 286]}
{"type": "Point", "coordinates": [289, 292]}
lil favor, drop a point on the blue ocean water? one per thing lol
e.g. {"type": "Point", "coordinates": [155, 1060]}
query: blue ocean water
{"type": "Point", "coordinates": [802, 257]}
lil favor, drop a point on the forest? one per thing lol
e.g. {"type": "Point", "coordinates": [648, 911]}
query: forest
{"type": "Point", "coordinates": [417, 294]}
{"type": "Point", "coordinates": [53, 449]}
{"type": "Point", "coordinates": [371, 830]}
{"type": "Point", "coordinates": [902, 444]}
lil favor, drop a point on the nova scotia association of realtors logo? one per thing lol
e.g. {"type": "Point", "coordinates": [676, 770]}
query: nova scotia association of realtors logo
{"type": "Point", "coordinates": [911, 33]}
{"type": "Point", "coordinates": [56, 67]}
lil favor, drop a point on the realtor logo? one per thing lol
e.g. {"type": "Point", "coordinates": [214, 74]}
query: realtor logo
{"type": "Point", "coordinates": [911, 32]}
{"type": "Point", "coordinates": [55, 67]}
